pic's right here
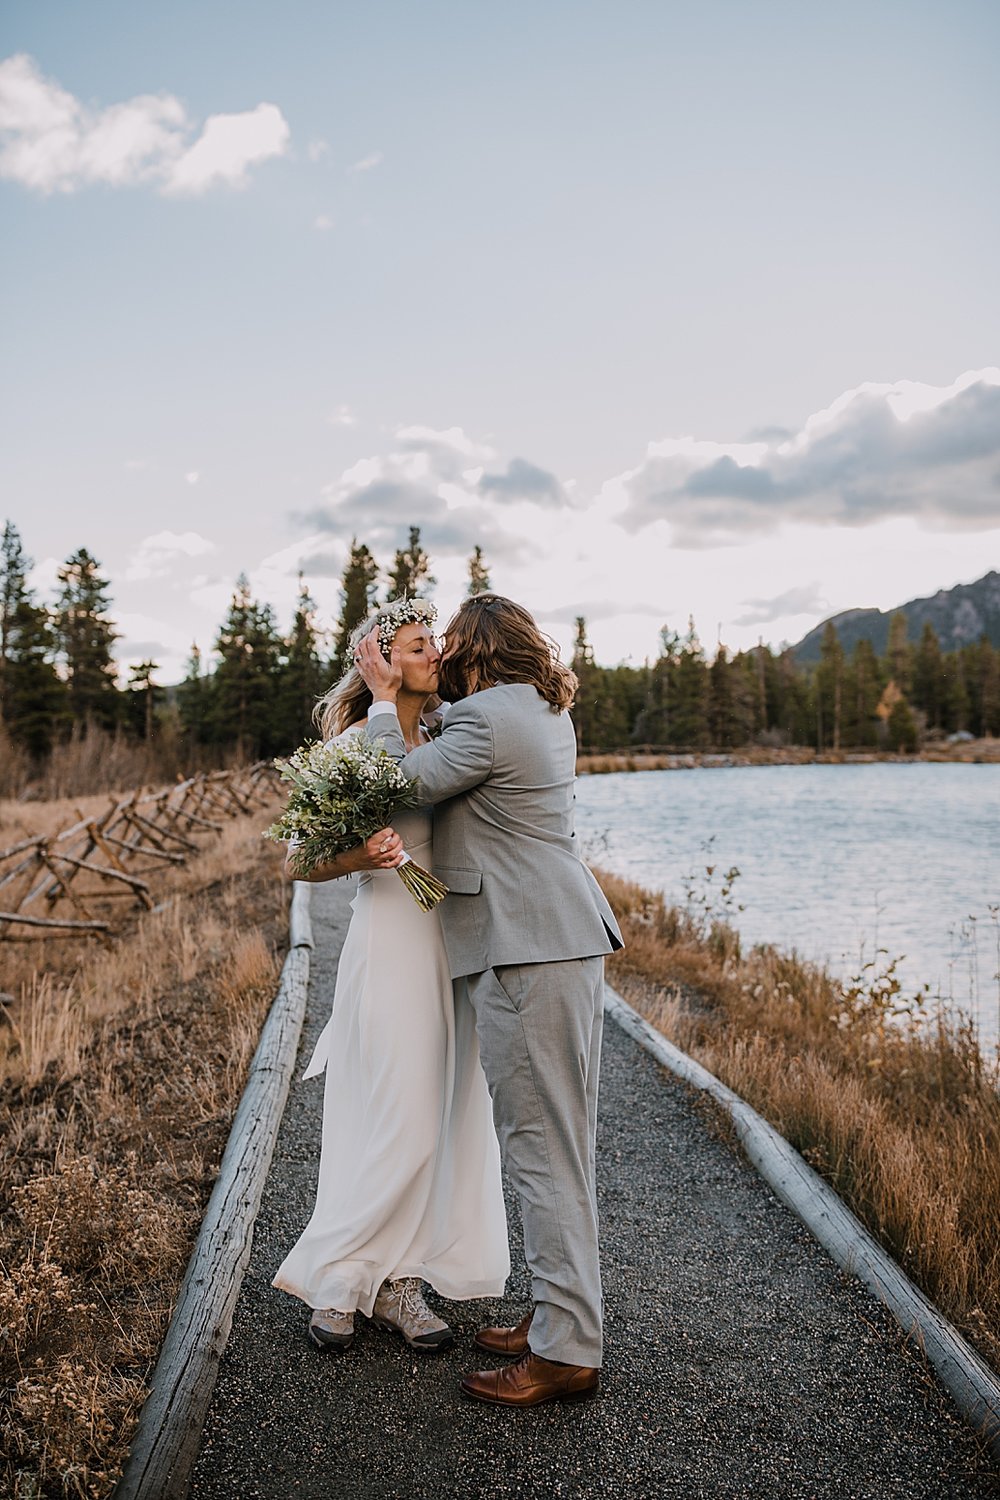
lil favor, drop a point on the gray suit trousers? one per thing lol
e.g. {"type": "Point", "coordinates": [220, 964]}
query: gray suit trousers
{"type": "Point", "coordinates": [539, 1028]}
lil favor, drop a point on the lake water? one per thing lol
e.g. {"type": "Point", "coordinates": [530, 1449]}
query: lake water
{"type": "Point", "coordinates": [835, 861]}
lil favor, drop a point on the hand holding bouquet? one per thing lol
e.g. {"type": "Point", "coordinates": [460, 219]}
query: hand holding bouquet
{"type": "Point", "coordinates": [342, 794]}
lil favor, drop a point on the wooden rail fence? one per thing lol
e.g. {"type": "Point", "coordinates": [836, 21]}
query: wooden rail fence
{"type": "Point", "coordinates": [136, 837]}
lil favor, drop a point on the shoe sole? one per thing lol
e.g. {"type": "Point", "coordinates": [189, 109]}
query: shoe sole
{"type": "Point", "coordinates": [591, 1391]}
{"type": "Point", "coordinates": [447, 1340]}
{"type": "Point", "coordinates": [327, 1346]}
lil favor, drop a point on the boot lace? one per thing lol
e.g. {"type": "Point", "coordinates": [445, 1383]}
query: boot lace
{"type": "Point", "coordinates": [411, 1297]}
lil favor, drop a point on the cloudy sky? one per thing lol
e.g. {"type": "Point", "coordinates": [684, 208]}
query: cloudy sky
{"type": "Point", "coordinates": [675, 308]}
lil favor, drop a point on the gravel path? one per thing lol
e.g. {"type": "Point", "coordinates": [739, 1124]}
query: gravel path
{"type": "Point", "coordinates": [739, 1363]}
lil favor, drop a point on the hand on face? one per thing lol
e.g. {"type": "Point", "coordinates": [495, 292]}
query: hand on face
{"type": "Point", "coordinates": [383, 678]}
{"type": "Point", "coordinates": [412, 668]}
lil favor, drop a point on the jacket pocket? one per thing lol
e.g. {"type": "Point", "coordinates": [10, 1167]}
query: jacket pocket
{"type": "Point", "coordinates": [462, 882]}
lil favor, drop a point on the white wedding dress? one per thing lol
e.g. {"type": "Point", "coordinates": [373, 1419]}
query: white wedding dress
{"type": "Point", "coordinates": [409, 1173]}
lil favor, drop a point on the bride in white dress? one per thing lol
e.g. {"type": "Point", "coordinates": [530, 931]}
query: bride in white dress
{"type": "Point", "coordinates": [409, 1177]}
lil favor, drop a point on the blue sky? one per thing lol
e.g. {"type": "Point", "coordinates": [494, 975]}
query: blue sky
{"type": "Point", "coordinates": [575, 280]}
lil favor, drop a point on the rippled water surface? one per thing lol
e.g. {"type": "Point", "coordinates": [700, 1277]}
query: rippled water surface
{"type": "Point", "coordinates": [834, 860]}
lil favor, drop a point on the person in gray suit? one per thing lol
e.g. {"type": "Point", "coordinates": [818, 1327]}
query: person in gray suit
{"type": "Point", "coordinates": [526, 928]}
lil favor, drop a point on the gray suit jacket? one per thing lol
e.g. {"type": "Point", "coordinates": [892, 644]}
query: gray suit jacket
{"type": "Point", "coordinates": [500, 778]}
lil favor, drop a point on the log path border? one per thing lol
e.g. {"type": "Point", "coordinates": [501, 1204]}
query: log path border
{"type": "Point", "coordinates": [967, 1378]}
{"type": "Point", "coordinates": [168, 1437]}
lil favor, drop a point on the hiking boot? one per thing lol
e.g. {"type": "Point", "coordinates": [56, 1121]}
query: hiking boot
{"type": "Point", "coordinates": [400, 1305]}
{"type": "Point", "coordinates": [331, 1331]}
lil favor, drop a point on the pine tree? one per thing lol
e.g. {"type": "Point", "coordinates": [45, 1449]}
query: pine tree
{"type": "Point", "coordinates": [14, 569]}
{"type": "Point", "coordinates": [358, 587]}
{"type": "Point", "coordinates": [411, 570]}
{"type": "Point", "coordinates": [147, 694]}
{"type": "Point", "coordinates": [902, 727]}
{"type": "Point", "coordinates": [829, 690]}
{"type": "Point", "coordinates": [929, 691]}
{"type": "Point", "coordinates": [249, 648]}
{"type": "Point", "coordinates": [479, 574]}
{"type": "Point", "coordinates": [586, 708]}
{"type": "Point", "coordinates": [862, 690]}
{"type": "Point", "coordinates": [194, 698]}
{"type": "Point", "coordinates": [85, 635]}
{"type": "Point", "coordinates": [733, 692]}
{"type": "Point", "coordinates": [989, 688]}
{"type": "Point", "coordinates": [302, 677]}
{"type": "Point", "coordinates": [899, 653]}
{"type": "Point", "coordinates": [35, 706]}
{"type": "Point", "coordinates": [691, 693]}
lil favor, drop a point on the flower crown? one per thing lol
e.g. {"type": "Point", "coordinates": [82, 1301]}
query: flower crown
{"type": "Point", "coordinates": [388, 619]}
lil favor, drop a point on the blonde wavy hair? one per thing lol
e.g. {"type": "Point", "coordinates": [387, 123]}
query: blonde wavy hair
{"type": "Point", "coordinates": [350, 699]}
{"type": "Point", "coordinates": [491, 640]}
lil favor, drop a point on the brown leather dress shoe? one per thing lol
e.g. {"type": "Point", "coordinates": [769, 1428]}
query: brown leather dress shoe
{"type": "Point", "coordinates": [531, 1380]}
{"type": "Point", "coordinates": [509, 1341]}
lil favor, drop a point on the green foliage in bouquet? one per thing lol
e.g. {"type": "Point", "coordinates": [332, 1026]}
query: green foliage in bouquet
{"type": "Point", "coordinates": [340, 795]}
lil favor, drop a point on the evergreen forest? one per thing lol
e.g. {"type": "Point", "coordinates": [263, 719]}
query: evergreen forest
{"type": "Point", "coordinates": [60, 683]}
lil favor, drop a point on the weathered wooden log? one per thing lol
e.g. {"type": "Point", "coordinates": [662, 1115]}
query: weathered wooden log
{"type": "Point", "coordinates": [139, 886]}
{"type": "Point", "coordinates": [61, 886]}
{"type": "Point", "coordinates": [169, 1432]}
{"type": "Point", "coordinates": [145, 851]}
{"type": "Point", "coordinates": [202, 822]}
{"type": "Point", "coordinates": [21, 867]}
{"type": "Point", "coordinates": [16, 916]}
{"type": "Point", "coordinates": [157, 834]}
{"type": "Point", "coordinates": [17, 848]}
{"type": "Point", "coordinates": [971, 1383]}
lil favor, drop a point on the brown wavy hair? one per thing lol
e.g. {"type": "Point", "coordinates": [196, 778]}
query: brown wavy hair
{"type": "Point", "coordinates": [343, 705]}
{"type": "Point", "coordinates": [491, 640]}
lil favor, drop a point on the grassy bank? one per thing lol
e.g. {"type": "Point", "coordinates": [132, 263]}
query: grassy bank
{"type": "Point", "coordinates": [121, 1070]}
{"type": "Point", "coordinates": [972, 752]}
{"type": "Point", "coordinates": [892, 1102]}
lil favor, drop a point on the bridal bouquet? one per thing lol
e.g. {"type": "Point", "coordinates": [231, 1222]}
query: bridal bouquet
{"type": "Point", "coordinates": [341, 795]}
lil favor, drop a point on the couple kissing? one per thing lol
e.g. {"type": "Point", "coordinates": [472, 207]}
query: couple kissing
{"type": "Point", "coordinates": [470, 1033]}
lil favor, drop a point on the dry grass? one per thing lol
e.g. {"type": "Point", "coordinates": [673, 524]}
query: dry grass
{"type": "Point", "coordinates": [122, 1069]}
{"type": "Point", "coordinates": [28, 820]}
{"type": "Point", "coordinates": [94, 760]}
{"type": "Point", "coordinates": [893, 1103]}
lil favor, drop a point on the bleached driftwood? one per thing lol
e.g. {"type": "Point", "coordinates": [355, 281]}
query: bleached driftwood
{"type": "Point", "coordinates": [168, 1436]}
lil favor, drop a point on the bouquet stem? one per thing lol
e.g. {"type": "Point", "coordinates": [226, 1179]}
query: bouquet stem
{"type": "Point", "coordinates": [424, 887]}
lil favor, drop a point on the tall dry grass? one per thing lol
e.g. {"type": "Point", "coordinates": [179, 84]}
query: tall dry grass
{"type": "Point", "coordinates": [97, 760]}
{"type": "Point", "coordinates": [121, 1070]}
{"type": "Point", "coordinates": [891, 1100]}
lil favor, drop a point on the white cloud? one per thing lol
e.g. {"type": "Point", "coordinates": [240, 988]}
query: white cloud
{"type": "Point", "coordinates": [417, 436]}
{"type": "Point", "coordinates": [343, 417]}
{"type": "Point", "coordinates": [367, 162]}
{"type": "Point", "coordinates": [155, 555]}
{"type": "Point", "coordinates": [790, 556]}
{"type": "Point", "coordinates": [192, 476]}
{"type": "Point", "coordinates": [317, 149]}
{"type": "Point", "coordinates": [880, 450]}
{"type": "Point", "coordinates": [147, 635]}
{"type": "Point", "coordinates": [43, 578]}
{"type": "Point", "coordinates": [51, 142]}
{"type": "Point", "coordinates": [227, 147]}
{"type": "Point", "coordinates": [323, 222]}
{"type": "Point", "coordinates": [804, 601]}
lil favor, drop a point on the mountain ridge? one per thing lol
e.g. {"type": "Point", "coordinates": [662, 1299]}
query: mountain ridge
{"type": "Point", "coordinates": [959, 615]}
